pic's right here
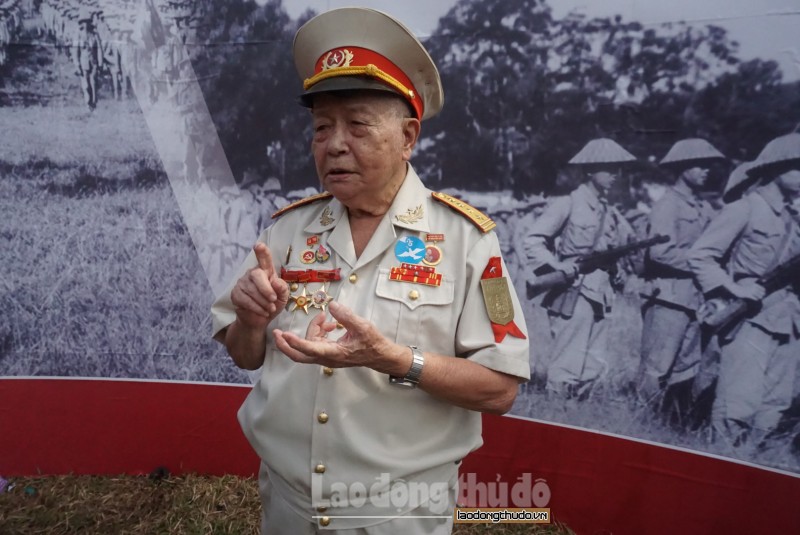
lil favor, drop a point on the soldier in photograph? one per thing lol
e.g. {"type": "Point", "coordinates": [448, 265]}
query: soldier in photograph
{"type": "Point", "coordinates": [671, 341]}
{"type": "Point", "coordinates": [88, 57]}
{"type": "Point", "coordinates": [736, 261]}
{"type": "Point", "coordinates": [190, 106]}
{"type": "Point", "coordinates": [571, 226]}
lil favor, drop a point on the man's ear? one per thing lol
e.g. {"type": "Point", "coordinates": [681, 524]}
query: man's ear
{"type": "Point", "coordinates": [411, 129]}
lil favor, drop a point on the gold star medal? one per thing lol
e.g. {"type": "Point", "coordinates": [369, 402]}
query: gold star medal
{"type": "Point", "coordinates": [301, 301]}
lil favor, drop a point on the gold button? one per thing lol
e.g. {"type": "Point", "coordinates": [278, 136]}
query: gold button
{"type": "Point", "coordinates": [327, 371]}
{"type": "Point", "coordinates": [294, 287]}
{"type": "Point", "coordinates": [339, 325]}
{"type": "Point", "coordinates": [353, 278]}
{"type": "Point", "coordinates": [413, 295]}
{"type": "Point", "coordinates": [320, 469]}
{"type": "Point", "coordinates": [322, 417]}
{"type": "Point", "coordinates": [321, 509]}
{"type": "Point", "coordinates": [324, 521]}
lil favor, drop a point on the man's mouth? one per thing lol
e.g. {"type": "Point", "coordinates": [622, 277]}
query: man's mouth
{"type": "Point", "coordinates": [338, 173]}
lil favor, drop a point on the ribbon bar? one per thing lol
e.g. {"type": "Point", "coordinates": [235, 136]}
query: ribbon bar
{"type": "Point", "coordinates": [416, 274]}
{"type": "Point", "coordinates": [311, 275]}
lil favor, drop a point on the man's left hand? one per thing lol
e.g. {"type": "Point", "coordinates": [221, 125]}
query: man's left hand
{"type": "Point", "coordinates": [361, 345]}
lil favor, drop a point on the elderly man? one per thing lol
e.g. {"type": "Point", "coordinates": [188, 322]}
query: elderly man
{"type": "Point", "coordinates": [361, 418]}
{"type": "Point", "coordinates": [578, 224]}
{"type": "Point", "coordinates": [750, 237]}
{"type": "Point", "coordinates": [671, 346]}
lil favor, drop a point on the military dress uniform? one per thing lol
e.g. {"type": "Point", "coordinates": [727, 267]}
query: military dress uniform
{"type": "Point", "coordinates": [758, 361]}
{"type": "Point", "coordinates": [316, 426]}
{"type": "Point", "coordinates": [582, 222]}
{"type": "Point", "coordinates": [671, 341]}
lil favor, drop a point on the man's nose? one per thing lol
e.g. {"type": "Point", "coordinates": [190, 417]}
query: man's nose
{"type": "Point", "coordinates": [338, 140]}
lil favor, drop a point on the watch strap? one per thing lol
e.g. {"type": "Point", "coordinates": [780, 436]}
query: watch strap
{"type": "Point", "coordinates": [415, 373]}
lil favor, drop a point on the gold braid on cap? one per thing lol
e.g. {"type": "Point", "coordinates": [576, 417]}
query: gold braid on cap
{"type": "Point", "coordinates": [368, 70]}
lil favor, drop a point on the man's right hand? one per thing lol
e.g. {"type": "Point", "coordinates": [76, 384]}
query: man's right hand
{"type": "Point", "coordinates": [260, 294]}
{"type": "Point", "coordinates": [748, 289]}
{"type": "Point", "coordinates": [570, 267]}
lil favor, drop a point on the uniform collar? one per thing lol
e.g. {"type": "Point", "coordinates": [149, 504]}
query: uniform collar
{"type": "Point", "coordinates": [590, 195]}
{"type": "Point", "coordinates": [328, 216]}
{"type": "Point", "coordinates": [410, 204]}
{"type": "Point", "coordinates": [409, 209]}
{"type": "Point", "coordinates": [685, 192]}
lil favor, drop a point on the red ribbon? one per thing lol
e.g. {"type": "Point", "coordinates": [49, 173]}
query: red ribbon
{"type": "Point", "coordinates": [310, 275]}
{"type": "Point", "coordinates": [493, 270]}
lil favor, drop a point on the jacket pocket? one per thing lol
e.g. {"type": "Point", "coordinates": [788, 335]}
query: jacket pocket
{"type": "Point", "coordinates": [406, 311]}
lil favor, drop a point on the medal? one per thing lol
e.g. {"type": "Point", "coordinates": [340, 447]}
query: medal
{"type": "Point", "coordinates": [308, 256]}
{"type": "Point", "coordinates": [433, 255]}
{"type": "Point", "coordinates": [320, 298]}
{"type": "Point", "coordinates": [301, 301]}
{"type": "Point", "coordinates": [409, 249]}
{"type": "Point", "coordinates": [322, 254]}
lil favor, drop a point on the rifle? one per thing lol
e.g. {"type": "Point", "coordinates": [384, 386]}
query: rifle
{"type": "Point", "coordinates": [718, 314]}
{"type": "Point", "coordinates": [590, 262]}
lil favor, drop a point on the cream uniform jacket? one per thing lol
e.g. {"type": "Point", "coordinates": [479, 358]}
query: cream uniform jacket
{"type": "Point", "coordinates": [316, 428]}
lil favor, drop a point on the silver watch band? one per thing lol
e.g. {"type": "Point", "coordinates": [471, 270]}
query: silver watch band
{"type": "Point", "coordinates": [413, 376]}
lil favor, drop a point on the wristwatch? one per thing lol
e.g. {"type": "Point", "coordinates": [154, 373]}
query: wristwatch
{"type": "Point", "coordinates": [412, 377]}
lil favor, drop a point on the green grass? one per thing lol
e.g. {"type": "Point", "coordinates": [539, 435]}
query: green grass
{"type": "Point", "coordinates": [79, 261]}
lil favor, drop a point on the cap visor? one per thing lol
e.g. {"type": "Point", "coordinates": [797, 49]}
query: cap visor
{"type": "Point", "coordinates": [343, 83]}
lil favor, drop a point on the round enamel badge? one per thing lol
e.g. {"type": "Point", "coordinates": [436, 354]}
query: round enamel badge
{"type": "Point", "coordinates": [410, 249]}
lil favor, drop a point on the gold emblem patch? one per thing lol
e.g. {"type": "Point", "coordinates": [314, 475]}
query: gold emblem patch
{"type": "Point", "coordinates": [498, 300]}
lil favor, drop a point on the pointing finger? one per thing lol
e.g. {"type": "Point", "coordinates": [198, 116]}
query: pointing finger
{"type": "Point", "coordinates": [264, 257]}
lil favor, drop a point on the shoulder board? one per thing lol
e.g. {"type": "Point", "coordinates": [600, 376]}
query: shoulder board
{"type": "Point", "coordinates": [302, 202]}
{"type": "Point", "coordinates": [476, 217]}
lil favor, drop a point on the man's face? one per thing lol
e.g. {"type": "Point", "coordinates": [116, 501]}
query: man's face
{"type": "Point", "coordinates": [695, 177]}
{"type": "Point", "coordinates": [603, 180]}
{"type": "Point", "coordinates": [361, 144]}
{"type": "Point", "coordinates": [789, 183]}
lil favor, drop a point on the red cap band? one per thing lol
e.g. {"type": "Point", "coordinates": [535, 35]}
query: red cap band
{"type": "Point", "coordinates": [357, 61]}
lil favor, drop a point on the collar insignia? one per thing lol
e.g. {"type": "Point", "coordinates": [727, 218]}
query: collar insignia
{"type": "Point", "coordinates": [412, 215]}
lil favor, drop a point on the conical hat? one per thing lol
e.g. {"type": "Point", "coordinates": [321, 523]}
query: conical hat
{"type": "Point", "coordinates": [84, 14]}
{"type": "Point", "coordinates": [738, 182]}
{"type": "Point", "coordinates": [602, 151]}
{"type": "Point", "coordinates": [781, 150]}
{"type": "Point", "coordinates": [691, 150]}
{"type": "Point", "coordinates": [361, 48]}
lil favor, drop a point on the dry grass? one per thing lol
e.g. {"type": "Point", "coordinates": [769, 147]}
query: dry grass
{"type": "Point", "coordinates": [189, 504]}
